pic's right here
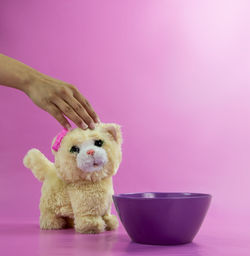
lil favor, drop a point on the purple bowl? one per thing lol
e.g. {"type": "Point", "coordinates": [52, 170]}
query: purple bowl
{"type": "Point", "coordinates": [162, 218]}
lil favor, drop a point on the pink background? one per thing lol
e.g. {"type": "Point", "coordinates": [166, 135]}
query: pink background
{"type": "Point", "coordinates": [174, 74]}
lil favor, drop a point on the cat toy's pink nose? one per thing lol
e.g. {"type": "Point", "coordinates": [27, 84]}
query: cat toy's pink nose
{"type": "Point", "coordinates": [91, 152]}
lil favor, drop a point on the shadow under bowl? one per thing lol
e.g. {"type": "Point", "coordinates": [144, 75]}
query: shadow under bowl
{"type": "Point", "coordinates": [162, 218]}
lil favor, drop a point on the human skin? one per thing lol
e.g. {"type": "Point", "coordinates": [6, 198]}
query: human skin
{"type": "Point", "coordinates": [58, 98]}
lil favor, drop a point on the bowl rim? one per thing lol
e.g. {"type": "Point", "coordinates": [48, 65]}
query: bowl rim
{"type": "Point", "coordinates": [183, 195]}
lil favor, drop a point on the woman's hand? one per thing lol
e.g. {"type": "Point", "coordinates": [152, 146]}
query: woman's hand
{"type": "Point", "coordinates": [61, 99]}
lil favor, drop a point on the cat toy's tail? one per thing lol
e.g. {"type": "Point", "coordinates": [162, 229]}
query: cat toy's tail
{"type": "Point", "coordinates": [38, 164]}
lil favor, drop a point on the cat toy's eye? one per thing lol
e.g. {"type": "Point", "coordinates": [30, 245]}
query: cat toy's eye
{"type": "Point", "coordinates": [74, 149]}
{"type": "Point", "coordinates": [99, 143]}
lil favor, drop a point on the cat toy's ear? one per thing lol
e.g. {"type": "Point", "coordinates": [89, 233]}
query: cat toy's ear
{"type": "Point", "coordinates": [115, 131]}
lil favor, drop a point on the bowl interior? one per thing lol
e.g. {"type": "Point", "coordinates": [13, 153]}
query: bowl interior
{"type": "Point", "coordinates": [162, 195]}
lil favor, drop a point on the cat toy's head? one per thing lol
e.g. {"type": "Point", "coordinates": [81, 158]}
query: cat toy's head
{"type": "Point", "coordinates": [88, 154]}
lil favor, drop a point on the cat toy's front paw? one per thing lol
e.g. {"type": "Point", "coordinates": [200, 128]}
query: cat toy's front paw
{"type": "Point", "coordinates": [90, 225]}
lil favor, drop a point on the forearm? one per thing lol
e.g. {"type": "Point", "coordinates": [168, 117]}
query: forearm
{"type": "Point", "coordinates": [15, 74]}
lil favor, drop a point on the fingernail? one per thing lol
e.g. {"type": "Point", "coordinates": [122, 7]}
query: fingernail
{"type": "Point", "coordinates": [68, 127]}
{"type": "Point", "coordinates": [98, 120]}
{"type": "Point", "coordinates": [84, 126]}
{"type": "Point", "coordinates": [92, 126]}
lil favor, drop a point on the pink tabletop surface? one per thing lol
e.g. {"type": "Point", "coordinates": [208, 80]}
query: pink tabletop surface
{"type": "Point", "coordinates": [25, 238]}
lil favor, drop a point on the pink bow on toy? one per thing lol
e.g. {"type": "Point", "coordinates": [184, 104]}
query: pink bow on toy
{"type": "Point", "coordinates": [59, 138]}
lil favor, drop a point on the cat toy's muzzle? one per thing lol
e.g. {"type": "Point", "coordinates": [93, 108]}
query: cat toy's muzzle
{"type": "Point", "coordinates": [91, 158]}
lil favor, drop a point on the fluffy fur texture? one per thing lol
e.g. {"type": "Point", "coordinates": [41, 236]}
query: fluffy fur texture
{"type": "Point", "coordinates": [77, 189]}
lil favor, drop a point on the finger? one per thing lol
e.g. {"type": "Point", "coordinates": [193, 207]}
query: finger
{"type": "Point", "coordinates": [69, 112]}
{"type": "Point", "coordinates": [57, 114]}
{"type": "Point", "coordinates": [86, 105]}
{"type": "Point", "coordinates": [80, 110]}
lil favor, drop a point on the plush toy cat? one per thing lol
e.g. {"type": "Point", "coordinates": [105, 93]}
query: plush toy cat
{"type": "Point", "coordinates": [77, 189]}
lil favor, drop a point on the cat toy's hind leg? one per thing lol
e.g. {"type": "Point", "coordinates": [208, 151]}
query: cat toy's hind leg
{"type": "Point", "coordinates": [49, 220]}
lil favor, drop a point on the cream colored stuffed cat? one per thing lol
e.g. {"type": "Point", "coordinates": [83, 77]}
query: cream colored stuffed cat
{"type": "Point", "coordinates": [77, 189]}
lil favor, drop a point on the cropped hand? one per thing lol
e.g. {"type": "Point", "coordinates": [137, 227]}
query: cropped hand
{"type": "Point", "coordinates": [62, 100]}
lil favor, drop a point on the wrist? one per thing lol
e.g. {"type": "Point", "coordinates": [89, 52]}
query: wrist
{"type": "Point", "coordinates": [28, 80]}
